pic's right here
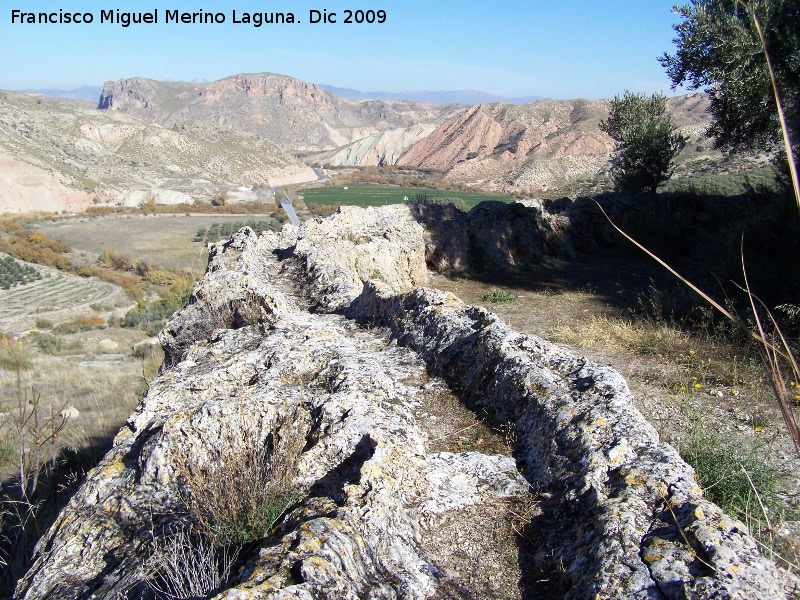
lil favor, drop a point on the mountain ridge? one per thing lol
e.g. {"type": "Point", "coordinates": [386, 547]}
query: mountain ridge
{"type": "Point", "coordinates": [296, 115]}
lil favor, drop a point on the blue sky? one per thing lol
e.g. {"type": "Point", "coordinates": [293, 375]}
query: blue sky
{"type": "Point", "coordinates": [566, 49]}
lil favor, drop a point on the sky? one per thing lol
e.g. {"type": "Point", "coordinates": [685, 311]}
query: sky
{"type": "Point", "coordinates": [559, 49]}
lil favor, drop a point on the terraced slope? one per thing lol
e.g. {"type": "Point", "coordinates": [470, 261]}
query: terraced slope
{"type": "Point", "coordinates": [56, 297]}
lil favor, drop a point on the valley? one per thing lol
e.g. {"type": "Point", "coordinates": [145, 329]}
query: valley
{"type": "Point", "coordinates": [246, 135]}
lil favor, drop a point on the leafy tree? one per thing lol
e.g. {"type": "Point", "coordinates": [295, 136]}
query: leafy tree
{"type": "Point", "coordinates": [646, 142]}
{"type": "Point", "coordinates": [719, 50]}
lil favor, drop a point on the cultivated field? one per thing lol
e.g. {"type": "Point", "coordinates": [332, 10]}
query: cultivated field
{"type": "Point", "coordinates": [162, 239]}
{"type": "Point", "coordinates": [370, 194]}
{"type": "Point", "coordinates": [57, 297]}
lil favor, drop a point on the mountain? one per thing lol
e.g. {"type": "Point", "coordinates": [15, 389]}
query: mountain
{"type": "Point", "coordinates": [88, 93]}
{"type": "Point", "coordinates": [297, 116]}
{"type": "Point", "coordinates": [502, 146]}
{"type": "Point", "coordinates": [57, 154]}
{"type": "Point", "coordinates": [181, 141]}
{"type": "Point", "coordinates": [527, 148]}
{"type": "Point", "coordinates": [445, 97]}
{"type": "Point", "coordinates": [535, 147]}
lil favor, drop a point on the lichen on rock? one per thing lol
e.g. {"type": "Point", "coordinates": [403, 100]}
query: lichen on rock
{"type": "Point", "coordinates": [320, 338]}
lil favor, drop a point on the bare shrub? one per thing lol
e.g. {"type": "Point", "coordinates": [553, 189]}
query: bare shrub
{"type": "Point", "coordinates": [185, 564]}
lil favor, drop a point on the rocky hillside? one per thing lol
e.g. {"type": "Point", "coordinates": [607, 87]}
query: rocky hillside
{"type": "Point", "coordinates": [316, 350]}
{"type": "Point", "coordinates": [297, 116]}
{"type": "Point", "coordinates": [536, 146]}
{"type": "Point", "coordinates": [60, 154]}
{"type": "Point", "coordinates": [528, 148]}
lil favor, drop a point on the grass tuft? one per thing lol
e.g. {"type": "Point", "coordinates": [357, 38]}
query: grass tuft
{"type": "Point", "coordinates": [723, 466]}
{"type": "Point", "coordinates": [238, 497]}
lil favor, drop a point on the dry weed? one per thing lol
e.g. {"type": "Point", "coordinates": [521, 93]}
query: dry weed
{"type": "Point", "coordinates": [185, 565]}
{"type": "Point", "coordinates": [640, 337]}
{"type": "Point", "coordinates": [237, 496]}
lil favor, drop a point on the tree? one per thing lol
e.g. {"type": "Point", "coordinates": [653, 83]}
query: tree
{"type": "Point", "coordinates": [646, 142]}
{"type": "Point", "coordinates": [720, 50]}
{"type": "Point", "coordinates": [220, 199]}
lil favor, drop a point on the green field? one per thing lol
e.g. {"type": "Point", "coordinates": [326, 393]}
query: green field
{"type": "Point", "coordinates": [367, 194]}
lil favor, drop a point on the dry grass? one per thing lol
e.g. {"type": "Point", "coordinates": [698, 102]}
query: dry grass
{"type": "Point", "coordinates": [185, 565]}
{"type": "Point", "coordinates": [98, 389]}
{"type": "Point", "coordinates": [640, 337]}
{"type": "Point", "coordinates": [102, 385]}
{"type": "Point", "coordinates": [165, 240]}
{"type": "Point", "coordinates": [238, 495]}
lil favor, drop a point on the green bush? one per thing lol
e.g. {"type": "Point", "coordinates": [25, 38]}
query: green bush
{"type": "Point", "coordinates": [497, 295]}
{"type": "Point", "coordinates": [719, 465]}
{"type": "Point", "coordinates": [44, 324]}
{"type": "Point", "coordinates": [13, 273]}
{"type": "Point", "coordinates": [49, 343]}
{"type": "Point", "coordinates": [646, 142]}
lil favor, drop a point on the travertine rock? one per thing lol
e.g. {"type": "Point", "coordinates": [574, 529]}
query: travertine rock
{"type": "Point", "coordinates": [284, 344]}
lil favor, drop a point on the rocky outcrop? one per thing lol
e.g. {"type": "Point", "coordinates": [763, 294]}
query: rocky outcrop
{"type": "Point", "coordinates": [384, 148]}
{"type": "Point", "coordinates": [318, 340]}
{"type": "Point", "coordinates": [464, 136]}
{"type": "Point", "coordinates": [296, 115]}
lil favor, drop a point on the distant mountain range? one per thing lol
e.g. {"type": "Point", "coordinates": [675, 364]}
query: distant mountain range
{"type": "Point", "coordinates": [183, 141]}
{"type": "Point", "coordinates": [467, 97]}
{"type": "Point", "coordinates": [87, 92]}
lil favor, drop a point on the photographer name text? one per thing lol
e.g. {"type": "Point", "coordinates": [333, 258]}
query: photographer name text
{"type": "Point", "coordinates": [201, 17]}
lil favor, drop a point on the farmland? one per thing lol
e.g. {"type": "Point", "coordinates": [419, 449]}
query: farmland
{"type": "Point", "coordinates": [165, 239]}
{"type": "Point", "coordinates": [366, 194]}
{"type": "Point", "coordinates": [56, 297]}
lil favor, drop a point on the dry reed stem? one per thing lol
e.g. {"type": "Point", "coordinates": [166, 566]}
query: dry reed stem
{"type": "Point", "coordinates": [770, 353]}
{"type": "Point", "coordinates": [185, 565]}
{"type": "Point", "coordinates": [760, 503]}
{"type": "Point", "coordinates": [668, 504]}
{"type": "Point", "coordinates": [770, 357]}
